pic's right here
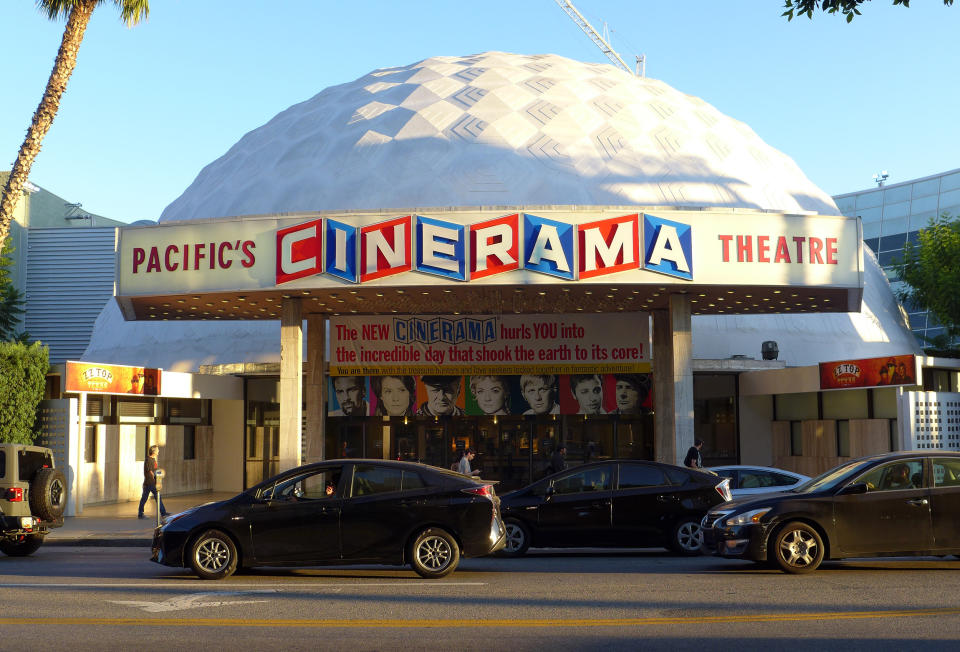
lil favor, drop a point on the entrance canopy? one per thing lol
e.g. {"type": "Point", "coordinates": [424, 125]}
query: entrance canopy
{"type": "Point", "coordinates": [491, 261]}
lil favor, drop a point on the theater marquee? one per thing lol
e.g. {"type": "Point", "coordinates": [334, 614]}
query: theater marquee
{"type": "Point", "coordinates": [457, 248]}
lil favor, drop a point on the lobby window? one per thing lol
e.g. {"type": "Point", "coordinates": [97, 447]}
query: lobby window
{"type": "Point", "coordinates": [796, 407]}
{"type": "Point", "coordinates": [843, 438]}
{"type": "Point", "coordinates": [796, 438]}
{"type": "Point", "coordinates": [186, 410]}
{"type": "Point", "coordinates": [141, 443]}
{"type": "Point", "coordinates": [137, 410]}
{"type": "Point", "coordinates": [90, 443]}
{"type": "Point", "coordinates": [189, 442]}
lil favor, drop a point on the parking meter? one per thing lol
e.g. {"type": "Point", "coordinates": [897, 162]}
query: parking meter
{"type": "Point", "coordinates": [158, 474]}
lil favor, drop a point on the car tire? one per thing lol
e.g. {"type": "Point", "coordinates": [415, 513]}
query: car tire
{"type": "Point", "coordinates": [797, 548]}
{"type": "Point", "coordinates": [21, 546]}
{"type": "Point", "coordinates": [213, 555]}
{"type": "Point", "coordinates": [687, 537]}
{"type": "Point", "coordinates": [434, 553]}
{"type": "Point", "coordinates": [48, 494]}
{"type": "Point", "coordinates": [518, 538]}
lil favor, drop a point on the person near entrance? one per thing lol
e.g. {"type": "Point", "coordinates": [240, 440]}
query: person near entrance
{"type": "Point", "coordinates": [442, 394]}
{"type": "Point", "coordinates": [558, 461]}
{"type": "Point", "coordinates": [693, 459]}
{"type": "Point", "coordinates": [351, 396]}
{"type": "Point", "coordinates": [540, 392]}
{"type": "Point", "coordinates": [150, 466]}
{"type": "Point", "coordinates": [464, 466]}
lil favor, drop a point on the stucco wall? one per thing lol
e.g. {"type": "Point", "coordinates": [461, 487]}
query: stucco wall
{"type": "Point", "coordinates": [228, 442]}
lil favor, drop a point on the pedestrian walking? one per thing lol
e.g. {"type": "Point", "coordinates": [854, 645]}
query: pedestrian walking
{"type": "Point", "coordinates": [150, 466]}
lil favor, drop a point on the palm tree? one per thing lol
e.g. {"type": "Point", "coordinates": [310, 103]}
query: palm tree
{"type": "Point", "coordinates": [77, 13]}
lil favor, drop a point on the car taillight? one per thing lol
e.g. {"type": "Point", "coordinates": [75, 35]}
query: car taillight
{"type": "Point", "coordinates": [15, 494]}
{"type": "Point", "coordinates": [724, 489]}
{"type": "Point", "coordinates": [485, 490]}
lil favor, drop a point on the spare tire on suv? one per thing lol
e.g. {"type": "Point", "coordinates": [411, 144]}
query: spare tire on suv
{"type": "Point", "coordinates": [48, 494]}
{"type": "Point", "coordinates": [33, 497]}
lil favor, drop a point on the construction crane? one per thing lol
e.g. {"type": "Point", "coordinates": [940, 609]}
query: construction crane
{"type": "Point", "coordinates": [601, 42]}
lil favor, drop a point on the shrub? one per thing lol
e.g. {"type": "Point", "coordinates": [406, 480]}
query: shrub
{"type": "Point", "coordinates": [23, 369]}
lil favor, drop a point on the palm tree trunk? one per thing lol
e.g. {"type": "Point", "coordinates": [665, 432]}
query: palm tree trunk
{"type": "Point", "coordinates": [63, 67]}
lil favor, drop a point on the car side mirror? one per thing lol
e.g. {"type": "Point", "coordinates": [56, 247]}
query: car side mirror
{"type": "Point", "coordinates": [548, 493]}
{"type": "Point", "coordinates": [855, 488]}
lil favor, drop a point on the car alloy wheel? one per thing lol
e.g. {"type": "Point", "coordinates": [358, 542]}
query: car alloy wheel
{"type": "Point", "coordinates": [798, 548]}
{"type": "Point", "coordinates": [518, 539]}
{"type": "Point", "coordinates": [213, 555]}
{"type": "Point", "coordinates": [435, 553]}
{"type": "Point", "coordinates": [687, 537]}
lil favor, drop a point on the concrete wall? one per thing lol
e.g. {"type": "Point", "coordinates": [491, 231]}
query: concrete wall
{"type": "Point", "coordinates": [183, 385]}
{"type": "Point", "coordinates": [756, 416]}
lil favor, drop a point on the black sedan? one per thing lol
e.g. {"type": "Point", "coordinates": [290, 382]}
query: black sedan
{"type": "Point", "coordinates": [613, 503]}
{"type": "Point", "coordinates": [339, 512]}
{"type": "Point", "coordinates": [896, 504]}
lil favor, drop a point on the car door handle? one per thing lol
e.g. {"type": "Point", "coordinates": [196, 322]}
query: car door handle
{"type": "Point", "coordinates": [919, 502]}
{"type": "Point", "coordinates": [666, 499]}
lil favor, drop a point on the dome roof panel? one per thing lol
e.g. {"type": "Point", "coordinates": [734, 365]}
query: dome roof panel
{"type": "Point", "coordinates": [544, 112]}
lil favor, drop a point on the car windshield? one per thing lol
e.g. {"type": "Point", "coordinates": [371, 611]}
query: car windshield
{"type": "Point", "coordinates": [832, 478]}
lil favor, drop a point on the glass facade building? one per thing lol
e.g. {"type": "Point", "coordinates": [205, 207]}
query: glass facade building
{"type": "Point", "coordinates": [892, 215]}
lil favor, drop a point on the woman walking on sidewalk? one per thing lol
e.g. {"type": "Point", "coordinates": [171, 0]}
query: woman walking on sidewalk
{"type": "Point", "coordinates": [150, 482]}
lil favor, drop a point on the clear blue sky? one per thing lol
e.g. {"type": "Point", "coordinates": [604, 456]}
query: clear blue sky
{"type": "Point", "coordinates": [148, 107]}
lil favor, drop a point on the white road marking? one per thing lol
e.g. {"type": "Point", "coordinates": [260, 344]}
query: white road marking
{"type": "Point", "coordinates": [286, 587]}
{"type": "Point", "coordinates": [195, 601]}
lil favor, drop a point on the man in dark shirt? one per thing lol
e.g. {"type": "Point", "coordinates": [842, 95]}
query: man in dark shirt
{"type": "Point", "coordinates": [693, 459]}
{"type": "Point", "coordinates": [150, 482]}
{"type": "Point", "coordinates": [558, 461]}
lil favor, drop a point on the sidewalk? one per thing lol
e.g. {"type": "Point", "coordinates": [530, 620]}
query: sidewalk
{"type": "Point", "coordinates": [118, 525]}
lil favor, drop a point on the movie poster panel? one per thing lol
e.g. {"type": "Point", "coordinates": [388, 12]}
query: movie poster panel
{"type": "Point", "coordinates": [491, 395]}
{"type": "Point", "coordinates": [871, 372]}
{"type": "Point", "coordinates": [393, 396]}
{"type": "Point", "coordinates": [440, 396]}
{"type": "Point", "coordinates": [347, 396]}
{"type": "Point", "coordinates": [540, 393]}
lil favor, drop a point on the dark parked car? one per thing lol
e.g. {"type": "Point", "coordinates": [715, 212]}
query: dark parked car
{"type": "Point", "coordinates": [896, 504]}
{"type": "Point", "coordinates": [340, 512]}
{"type": "Point", "coordinates": [613, 503]}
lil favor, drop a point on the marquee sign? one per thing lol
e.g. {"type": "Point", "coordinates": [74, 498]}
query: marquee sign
{"type": "Point", "coordinates": [548, 246]}
{"type": "Point", "coordinates": [501, 344]}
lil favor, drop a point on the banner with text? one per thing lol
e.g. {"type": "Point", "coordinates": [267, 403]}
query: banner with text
{"type": "Point", "coordinates": [870, 372]}
{"type": "Point", "coordinates": [501, 344]}
{"type": "Point", "coordinates": [111, 379]}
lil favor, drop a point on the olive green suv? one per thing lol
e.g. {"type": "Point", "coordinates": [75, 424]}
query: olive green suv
{"type": "Point", "coordinates": [33, 494]}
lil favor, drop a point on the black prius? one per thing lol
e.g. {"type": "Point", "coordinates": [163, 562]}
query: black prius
{"type": "Point", "coordinates": [896, 504]}
{"type": "Point", "coordinates": [613, 503]}
{"type": "Point", "coordinates": [340, 512]}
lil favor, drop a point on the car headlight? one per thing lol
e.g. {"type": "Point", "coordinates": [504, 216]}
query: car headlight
{"type": "Point", "coordinates": [746, 518]}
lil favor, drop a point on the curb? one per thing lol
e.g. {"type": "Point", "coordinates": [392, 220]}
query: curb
{"type": "Point", "coordinates": [101, 543]}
